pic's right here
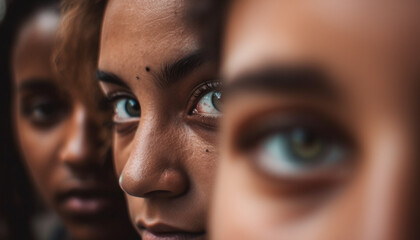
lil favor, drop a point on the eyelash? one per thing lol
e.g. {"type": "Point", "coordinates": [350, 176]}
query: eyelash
{"type": "Point", "coordinates": [263, 127]}
{"type": "Point", "coordinates": [112, 97]}
{"type": "Point", "coordinates": [197, 94]}
{"type": "Point", "coordinates": [200, 91]}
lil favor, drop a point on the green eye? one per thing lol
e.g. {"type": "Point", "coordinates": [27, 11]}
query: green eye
{"type": "Point", "coordinates": [298, 150]}
{"type": "Point", "coordinates": [126, 108]}
{"type": "Point", "coordinates": [210, 104]}
{"type": "Point", "coordinates": [306, 146]}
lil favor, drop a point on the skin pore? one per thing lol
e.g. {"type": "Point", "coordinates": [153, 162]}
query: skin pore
{"type": "Point", "coordinates": [62, 133]}
{"type": "Point", "coordinates": [167, 105]}
{"type": "Point", "coordinates": [319, 128]}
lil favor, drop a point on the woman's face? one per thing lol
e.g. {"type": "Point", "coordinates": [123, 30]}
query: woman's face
{"type": "Point", "coordinates": [166, 102]}
{"type": "Point", "coordinates": [62, 135]}
{"type": "Point", "coordinates": [320, 126]}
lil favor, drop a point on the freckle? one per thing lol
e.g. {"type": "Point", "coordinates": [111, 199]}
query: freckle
{"type": "Point", "coordinates": [137, 77]}
{"type": "Point", "coordinates": [207, 150]}
{"type": "Point", "coordinates": [147, 69]}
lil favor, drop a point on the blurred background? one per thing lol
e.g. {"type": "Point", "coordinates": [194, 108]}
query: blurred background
{"type": "Point", "coordinates": [18, 204]}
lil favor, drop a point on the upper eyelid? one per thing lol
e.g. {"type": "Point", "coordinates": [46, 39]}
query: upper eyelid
{"type": "Point", "coordinates": [275, 122]}
{"type": "Point", "coordinates": [115, 95]}
{"type": "Point", "coordinates": [204, 87]}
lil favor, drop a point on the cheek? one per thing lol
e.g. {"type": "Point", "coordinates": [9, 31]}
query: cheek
{"type": "Point", "coordinates": [122, 147]}
{"type": "Point", "coordinates": [238, 210]}
{"type": "Point", "coordinates": [40, 152]}
{"type": "Point", "coordinates": [201, 155]}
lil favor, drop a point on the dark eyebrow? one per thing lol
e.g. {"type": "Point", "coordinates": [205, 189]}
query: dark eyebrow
{"type": "Point", "coordinates": [36, 84]}
{"type": "Point", "coordinates": [104, 76]}
{"type": "Point", "coordinates": [292, 80]}
{"type": "Point", "coordinates": [175, 71]}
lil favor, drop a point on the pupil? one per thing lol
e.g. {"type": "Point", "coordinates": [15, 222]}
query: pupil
{"type": "Point", "coordinates": [306, 145]}
{"type": "Point", "coordinates": [44, 110]}
{"type": "Point", "coordinates": [47, 109]}
{"type": "Point", "coordinates": [132, 107]}
{"type": "Point", "coordinates": [216, 100]}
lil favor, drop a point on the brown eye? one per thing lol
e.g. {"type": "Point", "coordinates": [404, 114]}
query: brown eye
{"type": "Point", "coordinates": [43, 112]}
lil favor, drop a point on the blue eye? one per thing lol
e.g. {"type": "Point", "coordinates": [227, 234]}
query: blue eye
{"type": "Point", "coordinates": [209, 104]}
{"type": "Point", "coordinates": [126, 109]}
{"type": "Point", "coordinates": [298, 151]}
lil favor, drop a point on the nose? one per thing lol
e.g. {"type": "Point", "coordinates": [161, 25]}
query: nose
{"type": "Point", "coordinates": [153, 169]}
{"type": "Point", "coordinates": [77, 148]}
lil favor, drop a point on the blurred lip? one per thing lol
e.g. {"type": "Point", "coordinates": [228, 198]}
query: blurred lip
{"type": "Point", "coordinates": [85, 200]}
{"type": "Point", "coordinates": [160, 231]}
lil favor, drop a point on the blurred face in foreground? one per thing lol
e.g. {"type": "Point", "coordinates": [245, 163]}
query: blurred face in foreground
{"type": "Point", "coordinates": [319, 133]}
{"type": "Point", "coordinates": [167, 105]}
{"type": "Point", "coordinates": [62, 132]}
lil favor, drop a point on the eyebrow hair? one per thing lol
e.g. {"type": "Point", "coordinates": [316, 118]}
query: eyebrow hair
{"type": "Point", "coordinates": [108, 77]}
{"type": "Point", "coordinates": [36, 84]}
{"type": "Point", "coordinates": [294, 80]}
{"type": "Point", "coordinates": [175, 71]}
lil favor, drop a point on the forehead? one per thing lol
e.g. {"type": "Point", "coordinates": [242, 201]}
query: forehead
{"type": "Point", "coordinates": [34, 47]}
{"type": "Point", "coordinates": [143, 32]}
{"type": "Point", "coordinates": [345, 35]}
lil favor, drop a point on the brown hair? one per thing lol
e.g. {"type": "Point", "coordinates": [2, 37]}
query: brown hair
{"type": "Point", "coordinates": [76, 55]}
{"type": "Point", "coordinates": [78, 37]}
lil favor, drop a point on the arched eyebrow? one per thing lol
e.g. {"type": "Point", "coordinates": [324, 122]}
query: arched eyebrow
{"type": "Point", "coordinates": [168, 75]}
{"type": "Point", "coordinates": [108, 77]}
{"type": "Point", "coordinates": [173, 72]}
{"type": "Point", "coordinates": [297, 80]}
{"type": "Point", "coordinates": [36, 84]}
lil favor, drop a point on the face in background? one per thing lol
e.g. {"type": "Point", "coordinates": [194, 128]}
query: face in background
{"type": "Point", "coordinates": [167, 105]}
{"type": "Point", "coordinates": [319, 132]}
{"type": "Point", "coordinates": [62, 132]}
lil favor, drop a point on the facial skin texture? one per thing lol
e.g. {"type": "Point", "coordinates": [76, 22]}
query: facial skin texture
{"type": "Point", "coordinates": [63, 137]}
{"type": "Point", "coordinates": [164, 141]}
{"type": "Point", "coordinates": [342, 74]}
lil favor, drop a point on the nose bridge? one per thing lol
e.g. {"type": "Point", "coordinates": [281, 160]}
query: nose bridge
{"type": "Point", "coordinates": [154, 167]}
{"type": "Point", "coordinates": [388, 186]}
{"type": "Point", "coordinates": [76, 146]}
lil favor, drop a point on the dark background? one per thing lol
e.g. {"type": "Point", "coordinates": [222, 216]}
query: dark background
{"type": "Point", "coordinates": [17, 202]}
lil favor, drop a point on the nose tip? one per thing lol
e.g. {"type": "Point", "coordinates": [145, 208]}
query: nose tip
{"type": "Point", "coordinates": [168, 183]}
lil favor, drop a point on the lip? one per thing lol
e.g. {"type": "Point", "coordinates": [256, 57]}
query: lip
{"type": "Point", "coordinates": [160, 231]}
{"type": "Point", "coordinates": [85, 200]}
